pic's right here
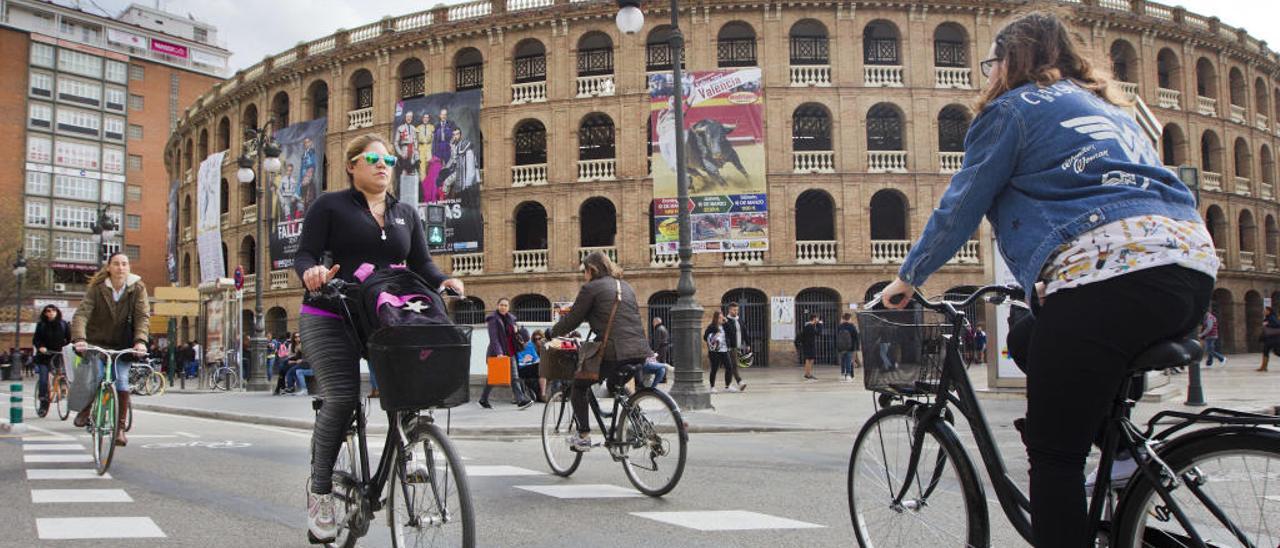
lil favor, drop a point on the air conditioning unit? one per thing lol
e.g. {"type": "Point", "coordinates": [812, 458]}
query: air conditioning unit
{"type": "Point", "coordinates": [59, 288]}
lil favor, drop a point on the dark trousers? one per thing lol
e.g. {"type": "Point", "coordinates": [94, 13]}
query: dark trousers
{"type": "Point", "coordinates": [42, 381]}
{"type": "Point", "coordinates": [335, 359]}
{"type": "Point", "coordinates": [613, 373]}
{"type": "Point", "coordinates": [1078, 350]}
{"type": "Point", "coordinates": [718, 360]}
{"type": "Point", "coordinates": [518, 389]}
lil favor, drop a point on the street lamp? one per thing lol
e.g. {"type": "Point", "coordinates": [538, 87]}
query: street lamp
{"type": "Point", "coordinates": [258, 142]}
{"type": "Point", "coordinates": [687, 390]}
{"type": "Point", "coordinates": [1190, 176]}
{"type": "Point", "coordinates": [105, 227]}
{"type": "Point", "coordinates": [19, 272]}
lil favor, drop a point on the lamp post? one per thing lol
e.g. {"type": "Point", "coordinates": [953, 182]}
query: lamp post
{"type": "Point", "coordinates": [258, 143]}
{"type": "Point", "coordinates": [105, 227]}
{"type": "Point", "coordinates": [19, 272]}
{"type": "Point", "coordinates": [1190, 176]}
{"type": "Point", "coordinates": [687, 390]}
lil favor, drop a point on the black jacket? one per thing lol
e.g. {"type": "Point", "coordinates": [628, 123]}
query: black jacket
{"type": "Point", "coordinates": [52, 336]}
{"type": "Point", "coordinates": [731, 328]}
{"type": "Point", "coordinates": [627, 341]}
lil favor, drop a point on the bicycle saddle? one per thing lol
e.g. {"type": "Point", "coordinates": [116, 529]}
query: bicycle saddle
{"type": "Point", "coordinates": [1166, 354]}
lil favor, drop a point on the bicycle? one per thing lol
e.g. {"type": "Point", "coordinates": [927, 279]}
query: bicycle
{"type": "Point", "coordinates": [912, 479]}
{"type": "Point", "coordinates": [57, 389]}
{"type": "Point", "coordinates": [643, 427]}
{"type": "Point", "coordinates": [145, 379]}
{"type": "Point", "coordinates": [223, 377]}
{"type": "Point", "coordinates": [433, 506]}
{"type": "Point", "coordinates": [104, 418]}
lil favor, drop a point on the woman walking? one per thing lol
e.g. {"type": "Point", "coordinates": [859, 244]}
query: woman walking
{"type": "Point", "coordinates": [809, 345]}
{"type": "Point", "coordinates": [504, 342]}
{"type": "Point", "coordinates": [1270, 337]}
{"type": "Point", "coordinates": [718, 351]}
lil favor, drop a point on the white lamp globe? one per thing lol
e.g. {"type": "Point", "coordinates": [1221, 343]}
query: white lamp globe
{"type": "Point", "coordinates": [272, 165]}
{"type": "Point", "coordinates": [630, 20]}
{"type": "Point", "coordinates": [244, 175]}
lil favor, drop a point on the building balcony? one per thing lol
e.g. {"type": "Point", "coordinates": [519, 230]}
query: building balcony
{"type": "Point", "coordinates": [1169, 98]}
{"type": "Point", "coordinates": [1246, 261]}
{"type": "Point", "coordinates": [186, 233]}
{"type": "Point", "coordinates": [1237, 114]}
{"type": "Point", "coordinates": [224, 219]}
{"type": "Point", "coordinates": [610, 250]}
{"type": "Point", "coordinates": [249, 214]}
{"type": "Point", "coordinates": [529, 175]}
{"type": "Point", "coordinates": [889, 251]}
{"type": "Point", "coordinates": [250, 280]}
{"type": "Point", "coordinates": [813, 161]}
{"type": "Point", "coordinates": [1260, 121]}
{"type": "Point", "coordinates": [662, 260]}
{"type": "Point", "coordinates": [1243, 187]}
{"type": "Point", "coordinates": [1222, 256]}
{"type": "Point", "coordinates": [360, 118]}
{"type": "Point", "coordinates": [1266, 191]}
{"type": "Point", "coordinates": [950, 162]}
{"type": "Point", "coordinates": [952, 78]}
{"type": "Point", "coordinates": [594, 86]}
{"type": "Point", "coordinates": [1207, 106]}
{"type": "Point", "coordinates": [531, 92]}
{"type": "Point", "coordinates": [889, 76]}
{"type": "Point", "coordinates": [279, 279]}
{"type": "Point", "coordinates": [968, 254]}
{"type": "Point", "coordinates": [751, 257]}
{"type": "Point", "coordinates": [466, 264]}
{"type": "Point", "coordinates": [1272, 264]}
{"type": "Point", "coordinates": [1211, 181]}
{"type": "Point", "coordinates": [816, 252]}
{"type": "Point", "coordinates": [810, 75]}
{"type": "Point", "coordinates": [887, 161]}
{"type": "Point", "coordinates": [529, 260]}
{"type": "Point", "coordinates": [1130, 90]}
{"type": "Point", "coordinates": [597, 170]}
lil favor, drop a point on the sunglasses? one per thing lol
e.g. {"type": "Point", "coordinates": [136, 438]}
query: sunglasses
{"type": "Point", "coordinates": [988, 65]}
{"type": "Point", "coordinates": [373, 157]}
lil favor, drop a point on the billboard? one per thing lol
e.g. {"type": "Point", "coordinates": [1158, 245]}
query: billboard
{"type": "Point", "coordinates": [209, 216]}
{"type": "Point", "coordinates": [171, 258]}
{"type": "Point", "coordinates": [724, 159]}
{"type": "Point", "coordinates": [300, 181]}
{"type": "Point", "coordinates": [440, 152]}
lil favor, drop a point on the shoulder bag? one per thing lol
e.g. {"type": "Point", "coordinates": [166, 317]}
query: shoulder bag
{"type": "Point", "coordinates": [591, 353]}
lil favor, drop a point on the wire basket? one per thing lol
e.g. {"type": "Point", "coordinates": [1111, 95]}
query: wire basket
{"type": "Point", "coordinates": [421, 366]}
{"type": "Point", "coordinates": [903, 350]}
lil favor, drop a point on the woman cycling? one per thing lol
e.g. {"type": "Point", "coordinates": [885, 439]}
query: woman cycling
{"type": "Point", "coordinates": [52, 333]}
{"type": "Point", "coordinates": [627, 346]}
{"type": "Point", "coordinates": [114, 299]}
{"type": "Point", "coordinates": [363, 224]}
{"type": "Point", "coordinates": [1079, 201]}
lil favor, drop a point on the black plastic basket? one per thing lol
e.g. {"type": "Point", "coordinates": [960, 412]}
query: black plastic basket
{"type": "Point", "coordinates": [902, 350]}
{"type": "Point", "coordinates": [421, 366]}
{"type": "Point", "coordinates": [558, 365]}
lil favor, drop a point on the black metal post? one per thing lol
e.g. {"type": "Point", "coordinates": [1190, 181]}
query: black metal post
{"type": "Point", "coordinates": [19, 272]}
{"type": "Point", "coordinates": [1190, 176]}
{"type": "Point", "coordinates": [258, 380]}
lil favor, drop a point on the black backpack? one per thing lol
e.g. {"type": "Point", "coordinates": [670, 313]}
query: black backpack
{"type": "Point", "coordinates": [844, 339]}
{"type": "Point", "coordinates": [397, 296]}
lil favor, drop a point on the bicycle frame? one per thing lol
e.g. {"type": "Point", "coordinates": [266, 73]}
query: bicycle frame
{"type": "Point", "coordinates": [619, 404]}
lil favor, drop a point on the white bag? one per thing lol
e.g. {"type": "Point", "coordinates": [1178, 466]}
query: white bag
{"type": "Point", "coordinates": [83, 377]}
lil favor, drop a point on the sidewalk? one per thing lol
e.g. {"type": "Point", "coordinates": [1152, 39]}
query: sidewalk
{"type": "Point", "coordinates": [776, 399]}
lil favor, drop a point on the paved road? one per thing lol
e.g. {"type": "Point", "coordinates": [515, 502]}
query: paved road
{"type": "Point", "coordinates": [181, 479]}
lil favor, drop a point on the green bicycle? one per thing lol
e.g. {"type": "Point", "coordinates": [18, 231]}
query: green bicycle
{"type": "Point", "coordinates": [104, 416]}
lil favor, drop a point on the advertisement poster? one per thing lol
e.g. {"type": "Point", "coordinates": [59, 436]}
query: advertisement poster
{"type": "Point", "coordinates": [782, 318]}
{"type": "Point", "coordinates": [439, 155]}
{"type": "Point", "coordinates": [724, 159]}
{"type": "Point", "coordinates": [213, 343]}
{"type": "Point", "coordinates": [171, 256]}
{"type": "Point", "coordinates": [209, 219]}
{"type": "Point", "coordinates": [300, 181]}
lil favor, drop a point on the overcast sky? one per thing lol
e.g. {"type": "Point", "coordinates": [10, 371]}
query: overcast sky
{"type": "Point", "coordinates": [251, 34]}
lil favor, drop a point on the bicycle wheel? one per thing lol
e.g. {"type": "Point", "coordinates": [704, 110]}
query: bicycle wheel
{"type": "Point", "coordinates": [655, 439]}
{"type": "Point", "coordinates": [128, 419]}
{"type": "Point", "coordinates": [1235, 472]}
{"type": "Point", "coordinates": [558, 425]}
{"type": "Point", "coordinates": [103, 427]}
{"type": "Point", "coordinates": [156, 384]}
{"type": "Point", "coordinates": [347, 505]}
{"type": "Point", "coordinates": [439, 497]}
{"type": "Point", "coordinates": [58, 391]}
{"type": "Point", "coordinates": [944, 504]}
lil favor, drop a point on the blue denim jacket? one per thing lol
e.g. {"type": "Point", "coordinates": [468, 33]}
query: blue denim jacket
{"type": "Point", "coordinates": [1045, 165]}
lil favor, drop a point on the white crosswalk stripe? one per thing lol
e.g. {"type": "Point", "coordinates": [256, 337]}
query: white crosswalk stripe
{"type": "Point", "coordinates": [725, 520]}
{"type": "Point", "coordinates": [46, 496]}
{"type": "Point", "coordinates": [600, 491]}
{"type": "Point", "coordinates": [97, 528]}
{"type": "Point", "coordinates": [52, 447]}
{"type": "Point", "coordinates": [480, 471]}
{"type": "Point", "coordinates": [65, 474]}
{"type": "Point", "coordinates": [56, 457]}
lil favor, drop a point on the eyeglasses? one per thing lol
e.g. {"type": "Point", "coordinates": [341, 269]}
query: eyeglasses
{"type": "Point", "coordinates": [988, 65]}
{"type": "Point", "coordinates": [373, 157]}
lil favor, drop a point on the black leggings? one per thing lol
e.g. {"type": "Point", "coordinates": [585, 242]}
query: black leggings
{"type": "Point", "coordinates": [718, 360]}
{"type": "Point", "coordinates": [1079, 347]}
{"type": "Point", "coordinates": [335, 359]}
{"type": "Point", "coordinates": [613, 373]}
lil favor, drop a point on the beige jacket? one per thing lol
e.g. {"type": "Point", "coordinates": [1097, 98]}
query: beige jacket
{"type": "Point", "coordinates": [100, 319]}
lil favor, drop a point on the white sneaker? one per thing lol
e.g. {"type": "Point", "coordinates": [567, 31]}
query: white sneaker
{"type": "Point", "coordinates": [731, 389]}
{"type": "Point", "coordinates": [714, 391]}
{"type": "Point", "coordinates": [1121, 471]}
{"type": "Point", "coordinates": [321, 523]}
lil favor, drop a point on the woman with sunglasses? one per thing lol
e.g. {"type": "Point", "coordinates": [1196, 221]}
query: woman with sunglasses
{"type": "Point", "coordinates": [1081, 206]}
{"type": "Point", "coordinates": [363, 224]}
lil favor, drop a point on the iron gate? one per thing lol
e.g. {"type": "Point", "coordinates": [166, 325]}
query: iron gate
{"type": "Point", "coordinates": [531, 308]}
{"type": "Point", "coordinates": [826, 304]}
{"type": "Point", "coordinates": [753, 312]}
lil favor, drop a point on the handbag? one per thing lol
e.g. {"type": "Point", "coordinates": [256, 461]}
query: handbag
{"type": "Point", "coordinates": [125, 337]}
{"type": "Point", "coordinates": [591, 353]}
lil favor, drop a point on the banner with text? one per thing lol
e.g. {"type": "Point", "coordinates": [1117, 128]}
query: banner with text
{"type": "Point", "coordinates": [209, 217]}
{"type": "Point", "coordinates": [300, 181]}
{"type": "Point", "coordinates": [171, 258]}
{"type": "Point", "coordinates": [724, 159]}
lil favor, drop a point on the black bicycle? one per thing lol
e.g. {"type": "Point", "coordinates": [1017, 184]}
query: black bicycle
{"type": "Point", "coordinates": [1204, 479]}
{"type": "Point", "coordinates": [645, 432]}
{"type": "Point", "coordinates": [421, 368]}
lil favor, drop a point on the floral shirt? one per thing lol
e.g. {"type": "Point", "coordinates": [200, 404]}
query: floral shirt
{"type": "Point", "coordinates": [1129, 245]}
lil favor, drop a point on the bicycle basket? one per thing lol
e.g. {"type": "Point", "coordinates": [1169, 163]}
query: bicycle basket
{"type": "Point", "coordinates": [902, 350]}
{"type": "Point", "coordinates": [421, 366]}
{"type": "Point", "coordinates": [558, 365]}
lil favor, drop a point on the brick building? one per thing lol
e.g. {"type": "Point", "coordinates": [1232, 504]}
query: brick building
{"type": "Point", "coordinates": [866, 106]}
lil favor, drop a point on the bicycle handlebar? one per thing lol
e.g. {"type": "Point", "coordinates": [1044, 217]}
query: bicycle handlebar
{"type": "Point", "coordinates": [950, 308]}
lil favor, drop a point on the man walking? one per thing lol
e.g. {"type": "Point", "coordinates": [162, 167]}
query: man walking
{"type": "Point", "coordinates": [660, 340]}
{"type": "Point", "coordinates": [848, 345]}
{"type": "Point", "coordinates": [736, 335]}
{"type": "Point", "coordinates": [1212, 347]}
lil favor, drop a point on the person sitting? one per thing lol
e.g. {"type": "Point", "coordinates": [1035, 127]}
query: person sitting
{"type": "Point", "coordinates": [655, 371]}
{"type": "Point", "coordinates": [527, 361]}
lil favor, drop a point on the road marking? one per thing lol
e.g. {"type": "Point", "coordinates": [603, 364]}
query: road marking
{"type": "Point", "coordinates": [57, 458]}
{"type": "Point", "coordinates": [93, 528]}
{"type": "Point", "coordinates": [151, 436]}
{"type": "Point", "coordinates": [500, 470]}
{"type": "Point", "coordinates": [52, 447]}
{"type": "Point", "coordinates": [45, 496]}
{"type": "Point", "coordinates": [725, 520]}
{"type": "Point", "coordinates": [65, 474]}
{"type": "Point", "coordinates": [186, 434]}
{"type": "Point", "coordinates": [600, 491]}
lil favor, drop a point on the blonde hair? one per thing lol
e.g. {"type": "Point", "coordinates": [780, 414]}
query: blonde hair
{"type": "Point", "coordinates": [357, 146]}
{"type": "Point", "coordinates": [599, 265]}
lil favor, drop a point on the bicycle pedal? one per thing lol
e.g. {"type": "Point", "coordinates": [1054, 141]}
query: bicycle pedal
{"type": "Point", "coordinates": [313, 540]}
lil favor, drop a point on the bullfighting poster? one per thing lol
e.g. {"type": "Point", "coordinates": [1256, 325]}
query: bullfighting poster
{"type": "Point", "coordinates": [209, 217]}
{"type": "Point", "coordinates": [171, 253]}
{"type": "Point", "coordinates": [300, 181]}
{"type": "Point", "coordinates": [724, 159]}
{"type": "Point", "coordinates": [439, 157]}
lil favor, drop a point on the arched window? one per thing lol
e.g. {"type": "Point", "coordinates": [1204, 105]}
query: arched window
{"type": "Point", "coordinates": [809, 43]}
{"type": "Point", "coordinates": [224, 134]}
{"type": "Point", "coordinates": [185, 275]}
{"type": "Point", "coordinates": [1124, 61]}
{"type": "Point", "coordinates": [1260, 101]}
{"type": "Point", "coordinates": [1248, 232]}
{"type": "Point", "coordinates": [1244, 159]}
{"type": "Point", "coordinates": [657, 50]}
{"type": "Point", "coordinates": [191, 154]}
{"type": "Point", "coordinates": [249, 120]}
{"type": "Point", "coordinates": [362, 90]}
{"type": "Point", "coordinates": [596, 137]}
{"type": "Point", "coordinates": [953, 124]}
{"type": "Point", "coordinates": [884, 127]}
{"type": "Point", "coordinates": [595, 54]}
{"type": "Point", "coordinates": [468, 70]}
{"type": "Point", "coordinates": [1216, 223]}
{"type": "Point", "coordinates": [1273, 241]}
{"type": "Point", "coordinates": [1168, 70]}
{"type": "Point", "coordinates": [248, 194]}
{"type": "Point", "coordinates": [187, 219]}
{"type": "Point", "coordinates": [1210, 152]}
{"type": "Point", "coordinates": [888, 216]}
{"type": "Point", "coordinates": [1206, 79]}
{"type": "Point", "coordinates": [531, 226]}
{"type": "Point", "coordinates": [413, 78]}
{"type": "Point", "coordinates": [815, 217]}
{"type": "Point", "coordinates": [660, 305]}
{"type": "Point", "coordinates": [225, 265]}
{"type": "Point", "coordinates": [1239, 91]}
{"type": "Point", "coordinates": [204, 144]}
{"type": "Point", "coordinates": [530, 143]}
{"type": "Point", "coordinates": [597, 223]}
{"type": "Point", "coordinates": [530, 62]}
{"type": "Point", "coordinates": [277, 322]}
{"type": "Point", "coordinates": [880, 43]}
{"type": "Point", "coordinates": [249, 255]}
{"type": "Point", "coordinates": [224, 200]}
{"type": "Point", "coordinates": [811, 128]}
{"type": "Point", "coordinates": [1173, 146]}
{"type": "Point", "coordinates": [950, 46]}
{"type": "Point", "coordinates": [531, 308]}
{"type": "Point", "coordinates": [280, 109]}
{"type": "Point", "coordinates": [318, 94]}
{"type": "Point", "coordinates": [468, 311]}
{"type": "Point", "coordinates": [825, 303]}
{"type": "Point", "coordinates": [736, 45]}
{"type": "Point", "coordinates": [1267, 165]}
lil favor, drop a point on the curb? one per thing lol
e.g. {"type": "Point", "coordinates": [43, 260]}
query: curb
{"type": "Point", "coordinates": [464, 431]}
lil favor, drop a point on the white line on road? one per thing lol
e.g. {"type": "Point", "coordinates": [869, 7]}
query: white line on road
{"type": "Point", "coordinates": [186, 435]}
{"type": "Point", "coordinates": [91, 528]}
{"type": "Point", "coordinates": [50, 434]}
{"type": "Point", "coordinates": [599, 491]}
{"type": "Point", "coordinates": [57, 458]}
{"type": "Point", "coordinates": [52, 447]}
{"type": "Point", "coordinates": [65, 474]}
{"type": "Point", "coordinates": [480, 471]}
{"type": "Point", "coordinates": [46, 496]}
{"type": "Point", "coordinates": [725, 520]}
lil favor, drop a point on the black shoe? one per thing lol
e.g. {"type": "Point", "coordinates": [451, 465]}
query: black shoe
{"type": "Point", "coordinates": [485, 404]}
{"type": "Point", "coordinates": [525, 404]}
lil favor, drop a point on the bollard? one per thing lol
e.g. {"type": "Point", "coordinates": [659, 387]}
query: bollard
{"type": "Point", "coordinates": [15, 408]}
{"type": "Point", "coordinates": [1195, 391]}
